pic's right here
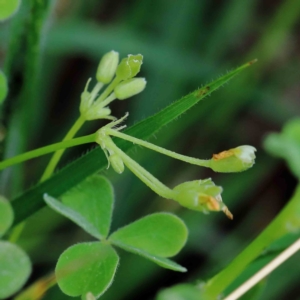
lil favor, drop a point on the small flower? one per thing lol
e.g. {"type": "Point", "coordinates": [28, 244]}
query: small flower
{"type": "Point", "coordinates": [201, 195]}
{"type": "Point", "coordinates": [233, 160]}
{"type": "Point", "coordinates": [129, 88]}
{"type": "Point", "coordinates": [107, 67]}
{"type": "Point", "coordinates": [129, 66]}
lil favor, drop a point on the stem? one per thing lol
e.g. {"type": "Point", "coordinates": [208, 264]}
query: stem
{"type": "Point", "coordinates": [107, 91]}
{"type": "Point", "coordinates": [191, 160]}
{"type": "Point", "coordinates": [264, 271]}
{"type": "Point", "coordinates": [153, 183]}
{"type": "Point", "coordinates": [47, 149]}
{"type": "Point", "coordinates": [287, 221]}
{"type": "Point", "coordinates": [109, 99]}
{"type": "Point", "coordinates": [38, 289]}
{"type": "Point", "coordinates": [57, 155]}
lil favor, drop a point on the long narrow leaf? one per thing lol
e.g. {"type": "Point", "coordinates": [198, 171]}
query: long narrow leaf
{"type": "Point", "coordinates": [32, 200]}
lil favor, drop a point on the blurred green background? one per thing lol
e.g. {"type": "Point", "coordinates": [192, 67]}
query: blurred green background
{"type": "Point", "coordinates": [186, 44]}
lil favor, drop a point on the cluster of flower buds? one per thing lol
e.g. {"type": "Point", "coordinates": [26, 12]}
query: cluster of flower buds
{"type": "Point", "coordinates": [121, 81]}
{"type": "Point", "coordinates": [199, 195]}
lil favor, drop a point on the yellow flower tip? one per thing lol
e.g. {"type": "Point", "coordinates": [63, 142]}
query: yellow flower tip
{"type": "Point", "coordinates": [211, 202]}
{"type": "Point", "coordinates": [223, 154]}
{"type": "Point", "coordinates": [227, 212]}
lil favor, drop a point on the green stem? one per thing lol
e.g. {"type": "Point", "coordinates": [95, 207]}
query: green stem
{"type": "Point", "coordinates": [153, 183]}
{"type": "Point", "coordinates": [57, 155]}
{"type": "Point", "coordinates": [287, 221]}
{"type": "Point", "coordinates": [47, 149]}
{"type": "Point", "coordinates": [107, 91]}
{"type": "Point", "coordinates": [191, 160]}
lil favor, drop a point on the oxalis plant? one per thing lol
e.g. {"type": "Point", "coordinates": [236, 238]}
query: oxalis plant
{"type": "Point", "coordinates": [88, 269]}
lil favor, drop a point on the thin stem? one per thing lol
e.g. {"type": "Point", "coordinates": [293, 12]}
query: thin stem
{"type": "Point", "coordinates": [191, 160]}
{"type": "Point", "coordinates": [140, 172]}
{"type": "Point", "coordinates": [108, 90]}
{"type": "Point", "coordinates": [275, 230]}
{"type": "Point", "coordinates": [105, 102]}
{"type": "Point", "coordinates": [264, 271]}
{"type": "Point", "coordinates": [47, 149]}
{"type": "Point", "coordinates": [57, 155]}
{"type": "Point", "coordinates": [38, 289]}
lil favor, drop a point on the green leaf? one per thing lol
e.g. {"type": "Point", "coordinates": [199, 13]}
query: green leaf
{"type": "Point", "coordinates": [86, 267]}
{"type": "Point", "coordinates": [3, 84]}
{"type": "Point", "coordinates": [161, 261]}
{"type": "Point", "coordinates": [6, 215]}
{"type": "Point", "coordinates": [15, 268]}
{"type": "Point", "coordinates": [180, 292]}
{"type": "Point", "coordinates": [8, 8]}
{"type": "Point", "coordinates": [89, 205]}
{"type": "Point", "coordinates": [286, 145]}
{"type": "Point", "coordinates": [160, 234]}
{"type": "Point", "coordinates": [31, 201]}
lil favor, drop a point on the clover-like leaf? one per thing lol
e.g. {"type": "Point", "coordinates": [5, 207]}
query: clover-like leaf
{"type": "Point", "coordinates": [155, 236]}
{"type": "Point", "coordinates": [180, 292]}
{"type": "Point", "coordinates": [89, 205]}
{"type": "Point", "coordinates": [87, 267]}
{"type": "Point", "coordinates": [286, 145]}
{"type": "Point", "coordinates": [15, 268]}
{"type": "Point", "coordinates": [8, 8]}
{"type": "Point", "coordinates": [3, 84]}
{"type": "Point", "coordinates": [6, 215]}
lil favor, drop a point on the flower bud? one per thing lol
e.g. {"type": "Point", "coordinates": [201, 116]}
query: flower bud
{"type": "Point", "coordinates": [201, 195]}
{"type": "Point", "coordinates": [129, 88]}
{"type": "Point", "coordinates": [85, 98]}
{"type": "Point", "coordinates": [93, 113]}
{"type": "Point", "coordinates": [107, 67]}
{"type": "Point", "coordinates": [116, 163]}
{"type": "Point", "coordinates": [129, 66]}
{"type": "Point", "coordinates": [234, 160]}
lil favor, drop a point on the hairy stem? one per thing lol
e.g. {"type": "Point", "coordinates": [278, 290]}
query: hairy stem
{"type": "Point", "coordinates": [191, 160]}
{"type": "Point", "coordinates": [45, 150]}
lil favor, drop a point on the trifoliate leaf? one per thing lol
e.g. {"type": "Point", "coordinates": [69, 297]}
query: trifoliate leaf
{"type": "Point", "coordinates": [89, 205]}
{"type": "Point", "coordinates": [6, 215]}
{"type": "Point", "coordinates": [160, 234]}
{"type": "Point", "coordinates": [15, 268]}
{"type": "Point", "coordinates": [87, 267]}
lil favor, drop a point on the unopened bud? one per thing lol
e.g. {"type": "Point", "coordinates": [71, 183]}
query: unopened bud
{"type": "Point", "coordinates": [201, 195]}
{"type": "Point", "coordinates": [116, 163]}
{"type": "Point", "coordinates": [107, 67]}
{"type": "Point", "coordinates": [234, 160]}
{"type": "Point", "coordinates": [85, 102]}
{"type": "Point", "coordinates": [129, 66]}
{"type": "Point", "coordinates": [129, 88]}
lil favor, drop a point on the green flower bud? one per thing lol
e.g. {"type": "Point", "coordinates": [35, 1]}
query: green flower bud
{"type": "Point", "coordinates": [201, 195]}
{"type": "Point", "coordinates": [234, 160]}
{"type": "Point", "coordinates": [117, 163]}
{"type": "Point", "coordinates": [94, 114]}
{"type": "Point", "coordinates": [129, 66]}
{"type": "Point", "coordinates": [107, 67]}
{"type": "Point", "coordinates": [129, 88]}
{"type": "Point", "coordinates": [85, 102]}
